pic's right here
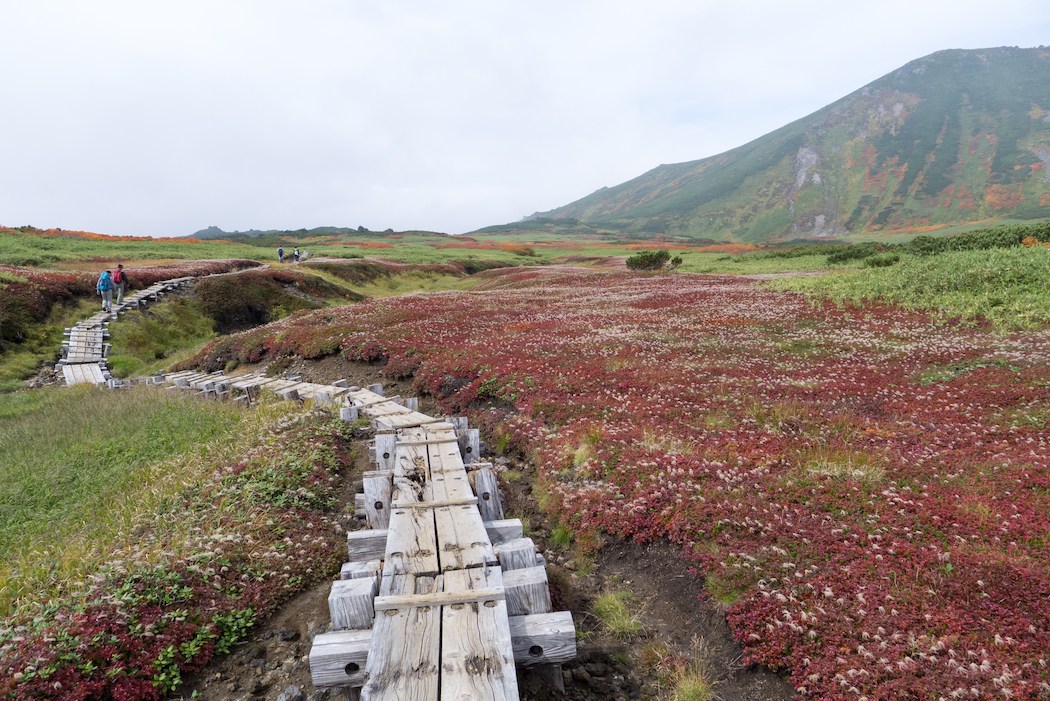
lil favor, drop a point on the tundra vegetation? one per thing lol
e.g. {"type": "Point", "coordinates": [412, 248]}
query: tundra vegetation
{"type": "Point", "coordinates": [855, 460]}
{"type": "Point", "coordinates": [870, 502]}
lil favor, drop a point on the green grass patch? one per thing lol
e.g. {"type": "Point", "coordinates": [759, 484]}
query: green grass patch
{"type": "Point", "coordinates": [80, 464]}
{"type": "Point", "coordinates": [947, 373]}
{"type": "Point", "coordinates": [156, 337]}
{"type": "Point", "coordinates": [613, 609]}
{"type": "Point", "coordinates": [723, 590]}
{"type": "Point", "coordinates": [33, 249]}
{"type": "Point", "coordinates": [759, 263]}
{"type": "Point", "coordinates": [1008, 286]}
{"type": "Point", "coordinates": [416, 281]}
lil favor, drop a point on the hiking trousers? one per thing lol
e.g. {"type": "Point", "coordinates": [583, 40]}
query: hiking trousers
{"type": "Point", "coordinates": [120, 292]}
{"type": "Point", "coordinates": [107, 300]}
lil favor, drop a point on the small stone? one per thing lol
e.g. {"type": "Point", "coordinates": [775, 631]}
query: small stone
{"type": "Point", "coordinates": [570, 564]}
{"type": "Point", "coordinates": [320, 695]}
{"type": "Point", "coordinates": [581, 675]}
{"type": "Point", "coordinates": [288, 635]}
{"type": "Point", "coordinates": [292, 693]}
{"type": "Point", "coordinates": [596, 669]}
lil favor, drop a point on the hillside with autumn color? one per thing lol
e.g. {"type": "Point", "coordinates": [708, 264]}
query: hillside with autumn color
{"type": "Point", "coordinates": [954, 138]}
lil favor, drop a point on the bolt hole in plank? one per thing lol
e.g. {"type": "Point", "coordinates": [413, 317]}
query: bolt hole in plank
{"type": "Point", "coordinates": [535, 651]}
{"type": "Point", "coordinates": [353, 667]}
{"type": "Point", "coordinates": [379, 506]}
{"type": "Point", "coordinates": [486, 496]}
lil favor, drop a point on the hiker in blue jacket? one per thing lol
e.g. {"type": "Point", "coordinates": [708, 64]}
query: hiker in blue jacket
{"type": "Point", "coordinates": [105, 288]}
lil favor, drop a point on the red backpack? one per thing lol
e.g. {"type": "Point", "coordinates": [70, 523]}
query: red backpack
{"type": "Point", "coordinates": [118, 276]}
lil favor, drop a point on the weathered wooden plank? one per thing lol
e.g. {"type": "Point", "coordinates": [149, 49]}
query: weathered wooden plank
{"type": "Point", "coordinates": [477, 655]}
{"type": "Point", "coordinates": [436, 504]}
{"type": "Point", "coordinates": [412, 543]}
{"type": "Point", "coordinates": [350, 602]}
{"type": "Point", "coordinates": [441, 598]}
{"type": "Point", "coordinates": [360, 569]}
{"type": "Point", "coordinates": [470, 444]}
{"type": "Point", "coordinates": [543, 638]}
{"type": "Point", "coordinates": [378, 487]}
{"type": "Point", "coordinates": [366, 545]}
{"type": "Point", "coordinates": [386, 445]}
{"type": "Point", "coordinates": [527, 591]}
{"type": "Point", "coordinates": [516, 554]}
{"type": "Point", "coordinates": [462, 538]}
{"type": "Point", "coordinates": [502, 531]}
{"type": "Point", "coordinates": [408, 420]}
{"type": "Point", "coordinates": [339, 658]}
{"type": "Point", "coordinates": [432, 441]}
{"type": "Point", "coordinates": [487, 488]}
{"type": "Point", "coordinates": [404, 656]}
{"type": "Point", "coordinates": [374, 403]}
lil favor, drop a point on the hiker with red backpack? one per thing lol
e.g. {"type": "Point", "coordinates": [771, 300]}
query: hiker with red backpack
{"type": "Point", "coordinates": [120, 282]}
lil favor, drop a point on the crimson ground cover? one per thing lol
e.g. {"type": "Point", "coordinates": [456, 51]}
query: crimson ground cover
{"type": "Point", "coordinates": [865, 489]}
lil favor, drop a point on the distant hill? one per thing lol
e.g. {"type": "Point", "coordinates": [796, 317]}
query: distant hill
{"type": "Point", "coordinates": [291, 236]}
{"type": "Point", "coordinates": [956, 137]}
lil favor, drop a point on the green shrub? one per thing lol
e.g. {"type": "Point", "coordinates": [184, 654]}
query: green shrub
{"type": "Point", "coordinates": [653, 260]}
{"type": "Point", "coordinates": [882, 260]}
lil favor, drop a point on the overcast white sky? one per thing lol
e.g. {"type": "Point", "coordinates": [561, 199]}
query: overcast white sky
{"type": "Point", "coordinates": [150, 118]}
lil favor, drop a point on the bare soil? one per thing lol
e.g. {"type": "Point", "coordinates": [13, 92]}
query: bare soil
{"type": "Point", "coordinates": [677, 619]}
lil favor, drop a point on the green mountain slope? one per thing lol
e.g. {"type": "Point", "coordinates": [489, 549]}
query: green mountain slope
{"type": "Point", "coordinates": [956, 137]}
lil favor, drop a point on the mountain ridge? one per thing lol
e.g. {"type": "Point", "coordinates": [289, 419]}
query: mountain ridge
{"type": "Point", "coordinates": [959, 136]}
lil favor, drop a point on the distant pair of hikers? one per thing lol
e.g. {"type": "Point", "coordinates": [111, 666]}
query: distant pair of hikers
{"type": "Point", "coordinates": [280, 254]}
{"type": "Point", "coordinates": [108, 282]}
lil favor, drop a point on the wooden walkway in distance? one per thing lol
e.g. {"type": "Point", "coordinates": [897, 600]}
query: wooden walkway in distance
{"type": "Point", "coordinates": [85, 349]}
{"type": "Point", "coordinates": [442, 597]}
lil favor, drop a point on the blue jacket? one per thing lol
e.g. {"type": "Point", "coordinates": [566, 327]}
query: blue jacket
{"type": "Point", "coordinates": [105, 282]}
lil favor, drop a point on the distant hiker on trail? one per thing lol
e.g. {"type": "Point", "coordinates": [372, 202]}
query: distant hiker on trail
{"type": "Point", "coordinates": [280, 254]}
{"type": "Point", "coordinates": [120, 282]}
{"type": "Point", "coordinates": [295, 254]}
{"type": "Point", "coordinates": [105, 288]}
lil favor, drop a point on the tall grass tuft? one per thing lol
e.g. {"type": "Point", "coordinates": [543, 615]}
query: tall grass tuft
{"type": "Point", "coordinates": [613, 609]}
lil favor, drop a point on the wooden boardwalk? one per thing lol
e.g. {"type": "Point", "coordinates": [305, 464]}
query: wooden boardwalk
{"type": "Point", "coordinates": [442, 597]}
{"type": "Point", "coordinates": [85, 349]}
